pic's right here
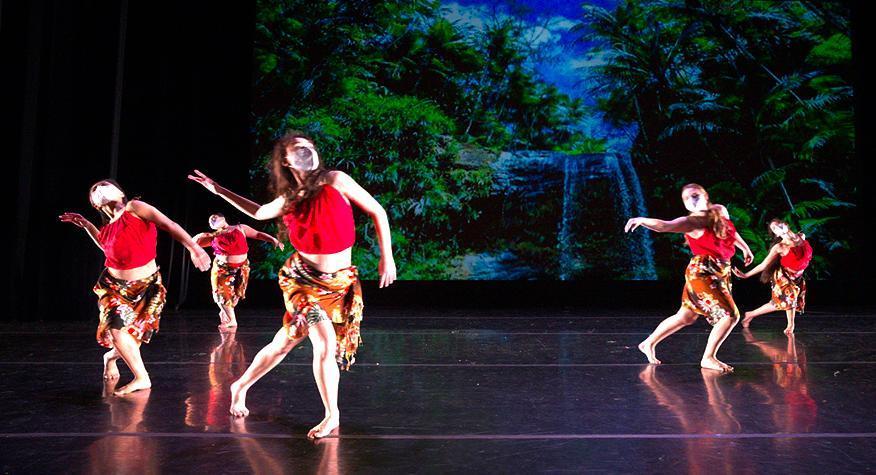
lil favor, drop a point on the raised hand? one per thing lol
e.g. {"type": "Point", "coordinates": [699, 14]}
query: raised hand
{"type": "Point", "coordinates": [632, 224]}
{"type": "Point", "coordinates": [204, 180]}
{"type": "Point", "coordinates": [387, 271]}
{"type": "Point", "coordinates": [200, 259]}
{"type": "Point", "coordinates": [74, 218]}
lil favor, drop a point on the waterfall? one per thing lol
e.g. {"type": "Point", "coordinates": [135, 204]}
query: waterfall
{"type": "Point", "coordinates": [571, 177]}
{"type": "Point", "coordinates": [633, 204]}
{"type": "Point", "coordinates": [589, 196]}
{"type": "Point", "coordinates": [645, 269]}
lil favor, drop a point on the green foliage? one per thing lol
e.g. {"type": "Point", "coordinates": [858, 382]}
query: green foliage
{"type": "Point", "coordinates": [752, 99]}
{"type": "Point", "coordinates": [390, 91]}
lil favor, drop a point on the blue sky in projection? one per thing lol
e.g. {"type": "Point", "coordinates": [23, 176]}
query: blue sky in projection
{"type": "Point", "coordinates": [564, 58]}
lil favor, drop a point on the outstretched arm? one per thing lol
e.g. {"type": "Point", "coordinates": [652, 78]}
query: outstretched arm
{"type": "Point", "coordinates": [773, 254]}
{"type": "Point", "coordinates": [246, 206]}
{"type": "Point", "coordinates": [684, 224]}
{"type": "Point", "coordinates": [79, 220]}
{"type": "Point", "coordinates": [148, 212]}
{"type": "Point", "coordinates": [255, 234]}
{"type": "Point", "coordinates": [361, 198]}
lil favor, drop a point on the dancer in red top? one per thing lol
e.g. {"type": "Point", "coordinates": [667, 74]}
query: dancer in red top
{"type": "Point", "coordinates": [783, 267]}
{"type": "Point", "coordinates": [713, 240]}
{"type": "Point", "coordinates": [320, 286]}
{"type": "Point", "coordinates": [129, 291]}
{"type": "Point", "coordinates": [230, 273]}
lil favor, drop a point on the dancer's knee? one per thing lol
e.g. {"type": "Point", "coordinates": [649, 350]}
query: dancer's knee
{"type": "Point", "coordinates": [324, 352]}
{"type": "Point", "coordinates": [687, 317]}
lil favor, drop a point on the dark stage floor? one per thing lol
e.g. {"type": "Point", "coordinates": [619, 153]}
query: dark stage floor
{"type": "Point", "coordinates": [500, 391]}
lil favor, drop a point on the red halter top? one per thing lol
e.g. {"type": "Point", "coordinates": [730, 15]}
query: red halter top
{"type": "Point", "coordinates": [798, 257]}
{"type": "Point", "coordinates": [323, 226]}
{"type": "Point", "coordinates": [128, 242]}
{"type": "Point", "coordinates": [230, 242]}
{"type": "Point", "coordinates": [710, 245]}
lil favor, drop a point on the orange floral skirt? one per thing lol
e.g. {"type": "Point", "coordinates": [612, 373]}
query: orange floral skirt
{"type": "Point", "coordinates": [789, 290]}
{"type": "Point", "coordinates": [312, 296]}
{"type": "Point", "coordinates": [707, 289]}
{"type": "Point", "coordinates": [134, 305]}
{"type": "Point", "coordinates": [229, 282]}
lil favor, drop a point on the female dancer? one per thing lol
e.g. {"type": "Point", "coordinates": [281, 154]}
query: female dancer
{"type": "Point", "coordinates": [783, 267]}
{"type": "Point", "coordinates": [320, 286]}
{"type": "Point", "coordinates": [230, 272]}
{"type": "Point", "coordinates": [712, 239]}
{"type": "Point", "coordinates": [129, 291]}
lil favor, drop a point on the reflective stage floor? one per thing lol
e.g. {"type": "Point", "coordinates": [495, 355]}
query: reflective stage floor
{"type": "Point", "coordinates": [462, 391]}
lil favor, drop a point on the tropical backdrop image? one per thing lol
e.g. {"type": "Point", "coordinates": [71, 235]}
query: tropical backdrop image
{"type": "Point", "coordinates": [513, 139]}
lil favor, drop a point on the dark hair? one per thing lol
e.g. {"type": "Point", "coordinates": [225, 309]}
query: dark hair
{"type": "Point", "coordinates": [105, 214]}
{"type": "Point", "coordinates": [714, 218]}
{"type": "Point", "coordinates": [283, 182]}
{"type": "Point", "coordinates": [767, 275]}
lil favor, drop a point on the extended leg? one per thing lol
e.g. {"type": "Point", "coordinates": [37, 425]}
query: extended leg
{"type": "Point", "coordinates": [670, 325]}
{"type": "Point", "coordinates": [264, 361]}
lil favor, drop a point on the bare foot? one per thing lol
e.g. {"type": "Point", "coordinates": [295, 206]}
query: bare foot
{"type": "Point", "coordinates": [648, 350]}
{"type": "Point", "coordinates": [324, 428]}
{"type": "Point", "coordinates": [238, 400]}
{"type": "Point", "coordinates": [137, 384]}
{"type": "Point", "coordinates": [714, 364]}
{"type": "Point", "coordinates": [789, 330]}
{"type": "Point", "coordinates": [110, 369]}
{"type": "Point", "coordinates": [747, 320]}
{"type": "Point", "coordinates": [727, 368]}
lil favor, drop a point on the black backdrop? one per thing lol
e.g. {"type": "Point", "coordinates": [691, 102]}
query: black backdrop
{"type": "Point", "coordinates": [174, 94]}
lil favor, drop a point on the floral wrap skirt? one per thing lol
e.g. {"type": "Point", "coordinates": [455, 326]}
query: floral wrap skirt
{"type": "Point", "coordinates": [707, 289]}
{"type": "Point", "coordinates": [312, 296]}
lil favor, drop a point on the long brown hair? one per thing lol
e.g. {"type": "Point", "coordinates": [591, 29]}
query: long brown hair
{"type": "Point", "coordinates": [714, 218]}
{"type": "Point", "coordinates": [283, 182]}
{"type": "Point", "coordinates": [766, 276]}
{"type": "Point", "coordinates": [105, 212]}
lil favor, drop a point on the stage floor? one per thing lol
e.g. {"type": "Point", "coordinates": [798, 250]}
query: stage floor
{"type": "Point", "coordinates": [436, 391]}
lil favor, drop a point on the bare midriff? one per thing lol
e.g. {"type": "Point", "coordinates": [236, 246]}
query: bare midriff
{"type": "Point", "coordinates": [232, 258]}
{"type": "Point", "coordinates": [329, 263]}
{"type": "Point", "coordinates": [136, 273]}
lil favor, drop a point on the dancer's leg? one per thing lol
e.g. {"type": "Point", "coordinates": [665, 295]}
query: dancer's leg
{"type": "Point", "coordinates": [230, 318]}
{"type": "Point", "coordinates": [762, 310]}
{"type": "Point", "coordinates": [129, 348]}
{"type": "Point", "coordinates": [326, 375]}
{"type": "Point", "coordinates": [110, 368]}
{"type": "Point", "coordinates": [264, 361]}
{"type": "Point", "coordinates": [719, 333]}
{"type": "Point", "coordinates": [791, 314]}
{"type": "Point", "coordinates": [682, 318]}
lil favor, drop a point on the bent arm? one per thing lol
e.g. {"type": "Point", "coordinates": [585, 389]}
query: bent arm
{"type": "Point", "coordinates": [203, 239]}
{"type": "Point", "coordinates": [741, 244]}
{"type": "Point", "coordinates": [251, 233]}
{"type": "Point", "coordinates": [362, 199]}
{"type": "Point", "coordinates": [93, 232]}
{"type": "Point", "coordinates": [148, 212]}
